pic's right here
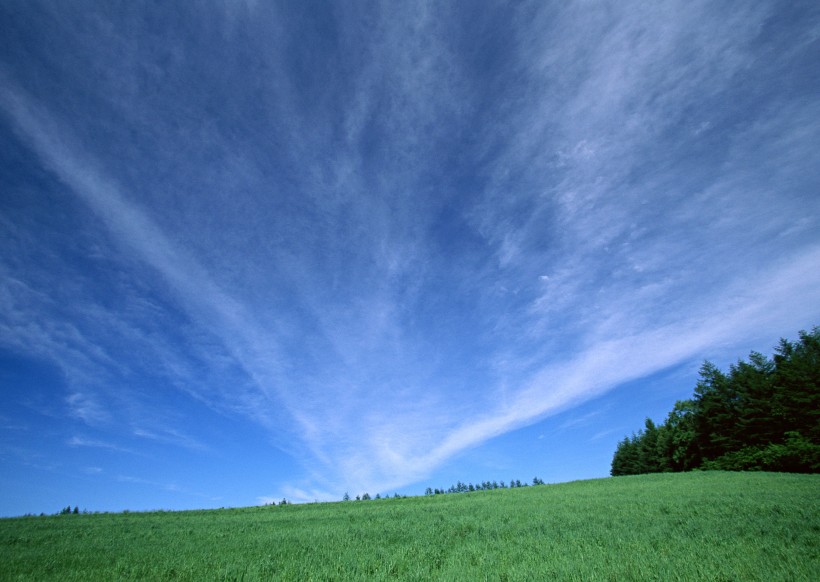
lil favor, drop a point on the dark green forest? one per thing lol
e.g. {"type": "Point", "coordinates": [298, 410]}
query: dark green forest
{"type": "Point", "coordinates": [763, 414]}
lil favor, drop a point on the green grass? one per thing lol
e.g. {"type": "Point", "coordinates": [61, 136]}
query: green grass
{"type": "Point", "coordinates": [696, 526]}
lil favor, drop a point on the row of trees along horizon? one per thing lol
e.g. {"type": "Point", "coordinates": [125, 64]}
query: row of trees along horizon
{"type": "Point", "coordinates": [764, 414]}
{"type": "Point", "coordinates": [458, 488]}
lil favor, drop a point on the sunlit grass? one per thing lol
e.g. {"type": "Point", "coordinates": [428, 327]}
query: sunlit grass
{"type": "Point", "coordinates": [707, 525]}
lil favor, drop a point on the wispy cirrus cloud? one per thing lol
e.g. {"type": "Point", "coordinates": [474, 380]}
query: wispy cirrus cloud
{"type": "Point", "coordinates": [86, 408]}
{"type": "Point", "coordinates": [79, 441]}
{"type": "Point", "coordinates": [171, 487]}
{"type": "Point", "coordinates": [171, 436]}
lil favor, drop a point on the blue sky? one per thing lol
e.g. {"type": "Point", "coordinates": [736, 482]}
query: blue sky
{"type": "Point", "coordinates": [255, 250]}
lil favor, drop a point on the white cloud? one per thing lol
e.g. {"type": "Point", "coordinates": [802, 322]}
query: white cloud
{"type": "Point", "coordinates": [85, 407]}
{"type": "Point", "coordinates": [78, 441]}
{"type": "Point", "coordinates": [171, 436]}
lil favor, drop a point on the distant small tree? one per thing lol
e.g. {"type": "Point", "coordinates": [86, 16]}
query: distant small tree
{"type": "Point", "coordinates": [366, 497]}
{"type": "Point", "coordinates": [346, 497]}
{"type": "Point", "coordinates": [76, 510]}
{"type": "Point", "coordinates": [429, 491]}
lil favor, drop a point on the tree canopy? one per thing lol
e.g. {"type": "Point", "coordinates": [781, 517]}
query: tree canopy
{"type": "Point", "coordinates": [764, 414]}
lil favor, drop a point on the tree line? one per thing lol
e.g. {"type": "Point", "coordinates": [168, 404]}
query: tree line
{"type": "Point", "coordinates": [457, 488]}
{"type": "Point", "coordinates": [764, 414]}
{"type": "Point", "coordinates": [483, 486]}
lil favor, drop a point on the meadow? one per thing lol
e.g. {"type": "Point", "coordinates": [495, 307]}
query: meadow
{"type": "Point", "coordinates": [685, 526]}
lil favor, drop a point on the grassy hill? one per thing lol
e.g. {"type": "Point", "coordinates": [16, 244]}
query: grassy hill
{"type": "Point", "coordinates": [691, 526]}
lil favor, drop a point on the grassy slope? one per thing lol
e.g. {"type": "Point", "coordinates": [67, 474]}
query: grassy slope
{"type": "Point", "coordinates": [708, 525]}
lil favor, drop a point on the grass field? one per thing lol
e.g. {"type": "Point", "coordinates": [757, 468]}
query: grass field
{"type": "Point", "coordinates": [695, 526]}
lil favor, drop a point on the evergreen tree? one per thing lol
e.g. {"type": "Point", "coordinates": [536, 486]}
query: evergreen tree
{"type": "Point", "coordinates": [716, 412]}
{"type": "Point", "coordinates": [797, 381]}
{"type": "Point", "coordinates": [753, 382]}
{"type": "Point", "coordinates": [678, 440]}
{"type": "Point", "coordinates": [648, 458]}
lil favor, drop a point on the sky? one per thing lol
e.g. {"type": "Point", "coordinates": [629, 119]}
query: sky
{"type": "Point", "coordinates": [262, 250]}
